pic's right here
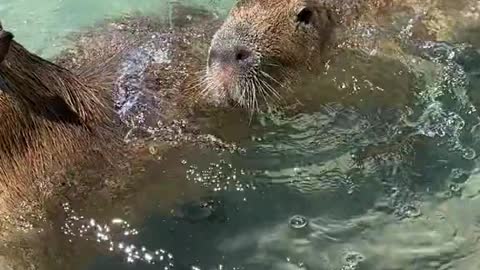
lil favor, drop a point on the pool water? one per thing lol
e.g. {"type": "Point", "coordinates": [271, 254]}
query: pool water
{"type": "Point", "coordinates": [332, 188]}
{"type": "Point", "coordinates": [43, 25]}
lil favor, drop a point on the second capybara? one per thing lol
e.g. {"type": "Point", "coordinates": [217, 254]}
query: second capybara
{"type": "Point", "coordinates": [266, 50]}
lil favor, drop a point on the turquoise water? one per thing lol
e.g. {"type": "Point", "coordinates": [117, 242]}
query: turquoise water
{"type": "Point", "coordinates": [300, 197]}
{"type": "Point", "coordinates": [43, 25]}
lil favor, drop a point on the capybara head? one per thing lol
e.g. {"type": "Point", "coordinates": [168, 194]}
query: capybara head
{"type": "Point", "coordinates": [260, 44]}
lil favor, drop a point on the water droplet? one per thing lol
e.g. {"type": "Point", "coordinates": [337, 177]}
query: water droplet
{"type": "Point", "coordinates": [451, 55]}
{"type": "Point", "coordinates": [469, 153]}
{"type": "Point", "coordinates": [455, 189]}
{"type": "Point", "coordinates": [153, 150]}
{"type": "Point", "coordinates": [298, 222]}
{"type": "Point", "coordinates": [413, 211]}
{"type": "Point", "coordinates": [148, 257]}
{"type": "Point", "coordinates": [117, 221]}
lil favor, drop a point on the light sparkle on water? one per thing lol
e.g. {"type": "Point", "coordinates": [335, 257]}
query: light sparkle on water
{"type": "Point", "coordinates": [219, 176]}
{"type": "Point", "coordinates": [90, 229]}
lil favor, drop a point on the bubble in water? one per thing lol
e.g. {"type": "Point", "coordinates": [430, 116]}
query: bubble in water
{"type": "Point", "coordinates": [298, 222]}
{"type": "Point", "coordinates": [455, 189]}
{"type": "Point", "coordinates": [411, 211]}
{"type": "Point", "coordinates": [352, 260]}
{"type": "Point", "coordinates": [469, 153]}
{"type": "Point", "coordinates": [458, 175]}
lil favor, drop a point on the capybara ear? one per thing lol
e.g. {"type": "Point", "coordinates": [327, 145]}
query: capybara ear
{"type": "Point", "coordinates": [5, 40]}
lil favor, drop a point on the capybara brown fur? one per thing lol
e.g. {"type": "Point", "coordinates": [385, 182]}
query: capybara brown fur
{"type": "Point", "coordinates": [55, 117]}
{"type": "Point", "coordinates": [263, 44]}
{"type": "Point", "coordinates": [266, 49]}
{"type": "Point", "coordinates": [51, 119]}
{"type": "Point", "coordinates": [81, 126]}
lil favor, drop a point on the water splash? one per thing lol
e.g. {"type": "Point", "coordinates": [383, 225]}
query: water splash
{"type": "Point", "coordinates": [141, 108]}
{"type": "Point", "coordinates": [446, 102]}
{"type": "Point", "coordinates": [133, 101]}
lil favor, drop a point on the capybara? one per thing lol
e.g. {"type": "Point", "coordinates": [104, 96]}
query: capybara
{"type": "Point", "coordinates": [267, 50]}
{"type": "Point", "coordinates": [51, 119]}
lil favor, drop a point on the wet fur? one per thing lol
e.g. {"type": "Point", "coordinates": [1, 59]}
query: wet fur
{"type": "Point", "coordinates": [50, 119]}
{"type": "Point", "coordinates": [284, 49]}
{"type": "Point", "coordinates": [66, 134]}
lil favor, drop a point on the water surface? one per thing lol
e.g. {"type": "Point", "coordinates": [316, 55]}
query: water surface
{"type": "Point", "coordinates": [332, 188]}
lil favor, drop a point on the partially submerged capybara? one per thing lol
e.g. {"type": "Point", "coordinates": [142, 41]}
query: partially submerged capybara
{"type": "Point", "coordinates": [50, 119]}
{"type": "Point", "coordinates": [66, 116]}
{"type": "Point", "coordinates": [53, 117]}
{"type": "Point", "coordinates": [283, 48]}
{"type": "Point", "coordinates": [266, 49]}
{"type": "Point", "coordinates": [77, 122]}
{"type": "Point", "coordinates": [275, 52]}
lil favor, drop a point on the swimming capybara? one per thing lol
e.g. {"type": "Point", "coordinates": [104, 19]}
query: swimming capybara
{"type": "Point", "coordinates": [274, 51]}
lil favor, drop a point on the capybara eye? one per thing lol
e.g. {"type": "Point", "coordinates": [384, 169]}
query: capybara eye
{"type": "Point", "coordinates": [305, 16]}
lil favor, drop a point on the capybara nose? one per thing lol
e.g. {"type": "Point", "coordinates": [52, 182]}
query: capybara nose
{"type": "Point", "coordinates": [242, 54]}
{"type": "Point", "coordinates": [239, 56]}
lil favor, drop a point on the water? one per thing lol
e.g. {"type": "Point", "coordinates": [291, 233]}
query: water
{"type": "Point", "coordinates": [43, 25]}
{"type": "Point", "coordinates": [331, 188]}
